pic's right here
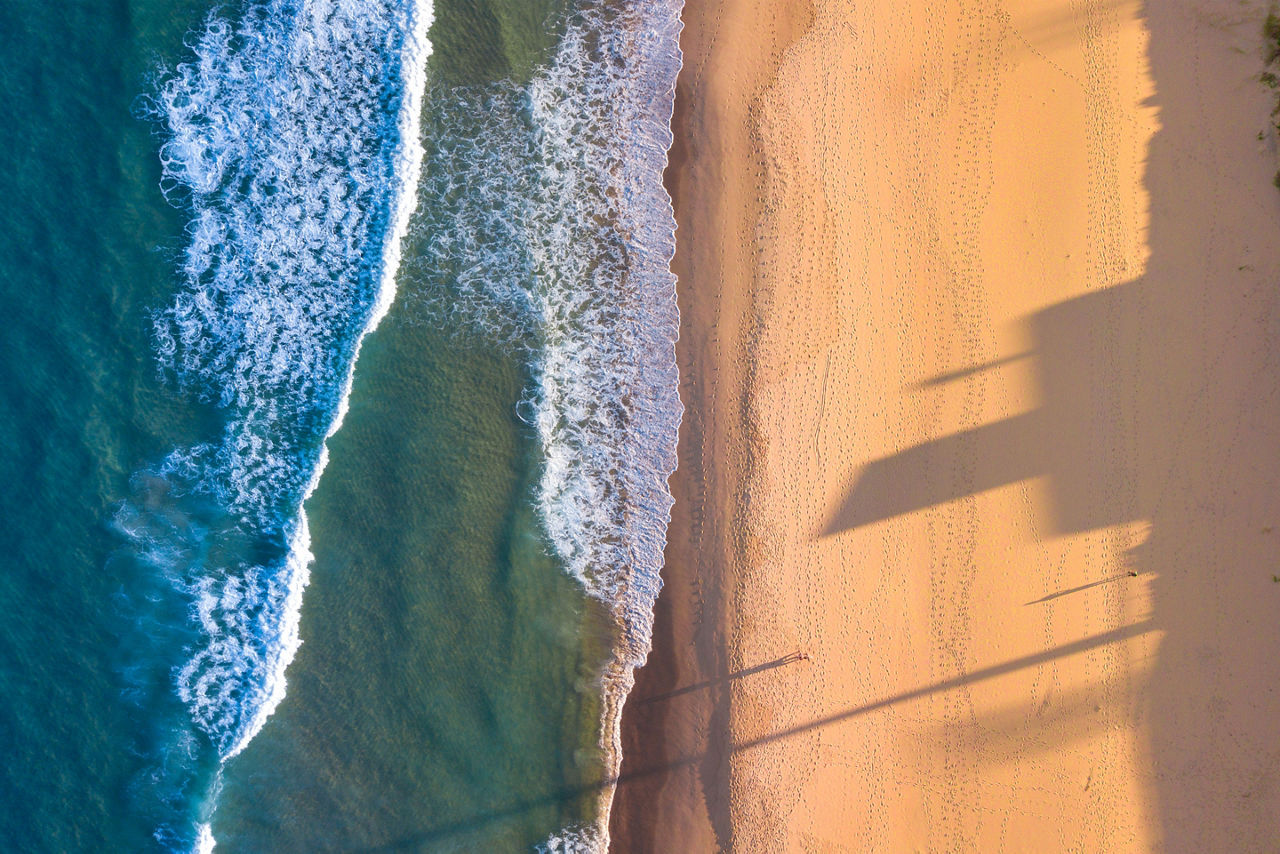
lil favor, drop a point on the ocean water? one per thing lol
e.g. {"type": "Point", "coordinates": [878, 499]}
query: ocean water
{"type": "Point", "coordinates": [340, 395]}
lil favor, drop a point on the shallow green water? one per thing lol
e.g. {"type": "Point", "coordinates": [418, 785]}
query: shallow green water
{"type": "Point", "coordinates": [442, 698]}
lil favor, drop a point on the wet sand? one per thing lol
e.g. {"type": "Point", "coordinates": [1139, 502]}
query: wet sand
{"type": "Point", "coordinates": [979, 349]}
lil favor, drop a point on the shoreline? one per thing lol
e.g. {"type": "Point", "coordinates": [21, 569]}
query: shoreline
{"type": "Point", "coordinates": [645, 734]}
{"type": "Point", "coordinates": [676, 741]}
{"type": "Point", "coordinates": [975, 311]}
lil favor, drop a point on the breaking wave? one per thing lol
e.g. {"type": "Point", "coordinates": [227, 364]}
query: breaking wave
{"type": "Point", "coordinates": [550, 231]}
{"type": "Point", "coordinates": [292, 136]}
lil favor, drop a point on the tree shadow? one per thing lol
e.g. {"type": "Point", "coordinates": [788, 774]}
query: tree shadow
{"type": "Point", "coordinates": [1158, 403]}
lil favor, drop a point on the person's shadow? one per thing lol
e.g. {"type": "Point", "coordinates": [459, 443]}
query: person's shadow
{"type": "Point", "coordinates": [1160, 403]}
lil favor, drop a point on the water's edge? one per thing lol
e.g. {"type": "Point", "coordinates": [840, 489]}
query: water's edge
{"type": "Point", "coordinates": [554, 234]}
{"type": "Point", "coordinates": [634, 609]}
{"type": "Point", "coordinates": [282, 290]}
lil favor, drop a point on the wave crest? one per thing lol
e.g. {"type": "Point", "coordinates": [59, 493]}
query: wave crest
{"type": "Point", "coordinates": [550, 231]}
{"type": "Point", "coordinates": [292, 136]}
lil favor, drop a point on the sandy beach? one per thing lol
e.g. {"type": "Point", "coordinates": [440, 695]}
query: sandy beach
{"type": "Point", "coordinates": [979, 354]}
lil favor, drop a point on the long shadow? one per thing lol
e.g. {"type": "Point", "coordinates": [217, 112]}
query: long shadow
{"type": "Point", "coordinates": [1081, 588]}
{"type": "Point", "coordinates": [972, 370]}
{"type": "Point", "coordinates": [792, 658]}
{"type": "Point", "coordinates": [1160, 404]}
{"type": "Point", "coordinates": [1082, 437]}
{"type": "Point", "coordinates": [445, 831]}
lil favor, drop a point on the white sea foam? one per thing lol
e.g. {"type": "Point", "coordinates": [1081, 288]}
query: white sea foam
{"type": "Point", "coordinates": [204, 839]}
{"type": "Point", "coordinates": [406, 173]}
{"type": "Point", "coordinates": [297, 177]}
{"type": "Point", "coordinates": [607, 409]}
{"type": "Point", "coordinates": [574, 840]}
{"type": "Point", "coordinates": [553, 230]}
{"type": "Point", "coordinates": [294, 138]}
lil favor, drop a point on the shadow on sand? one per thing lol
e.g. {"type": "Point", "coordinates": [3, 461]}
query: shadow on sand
{"type": "Point", "coordinates": [1160, 404]}
{"type": "Point", "coordinates": [793, 658]}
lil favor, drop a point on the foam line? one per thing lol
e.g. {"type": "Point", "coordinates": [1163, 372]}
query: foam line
{"type": "Point", "coordinates": [414, 55]}
{"type": "Point", "coordinates": [555, 234]}
{"type": "Point", "coordinates": [294, 138]}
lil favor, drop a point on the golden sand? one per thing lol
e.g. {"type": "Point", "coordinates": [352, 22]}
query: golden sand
{"type": "Point", "coordinates": [981, 304]}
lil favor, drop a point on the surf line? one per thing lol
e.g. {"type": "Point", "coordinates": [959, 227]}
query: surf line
{"type": "Point", "coordinates": [414, 56]}
{"type": "Point", "coordinates": [414, 53]}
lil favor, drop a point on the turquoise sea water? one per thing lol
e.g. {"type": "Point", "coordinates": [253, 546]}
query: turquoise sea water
{"type": "Point", "coordinates": [205, 211]}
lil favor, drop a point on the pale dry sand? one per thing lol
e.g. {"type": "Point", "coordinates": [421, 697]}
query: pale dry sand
{"type": "Point", "coordinates": [981, 303]}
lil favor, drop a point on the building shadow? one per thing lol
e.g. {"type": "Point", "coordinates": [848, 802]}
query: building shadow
{"type": "Point", "coordinates": [1085, 439]}
{"type": "Point", "coordinates": [1160, 403]}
